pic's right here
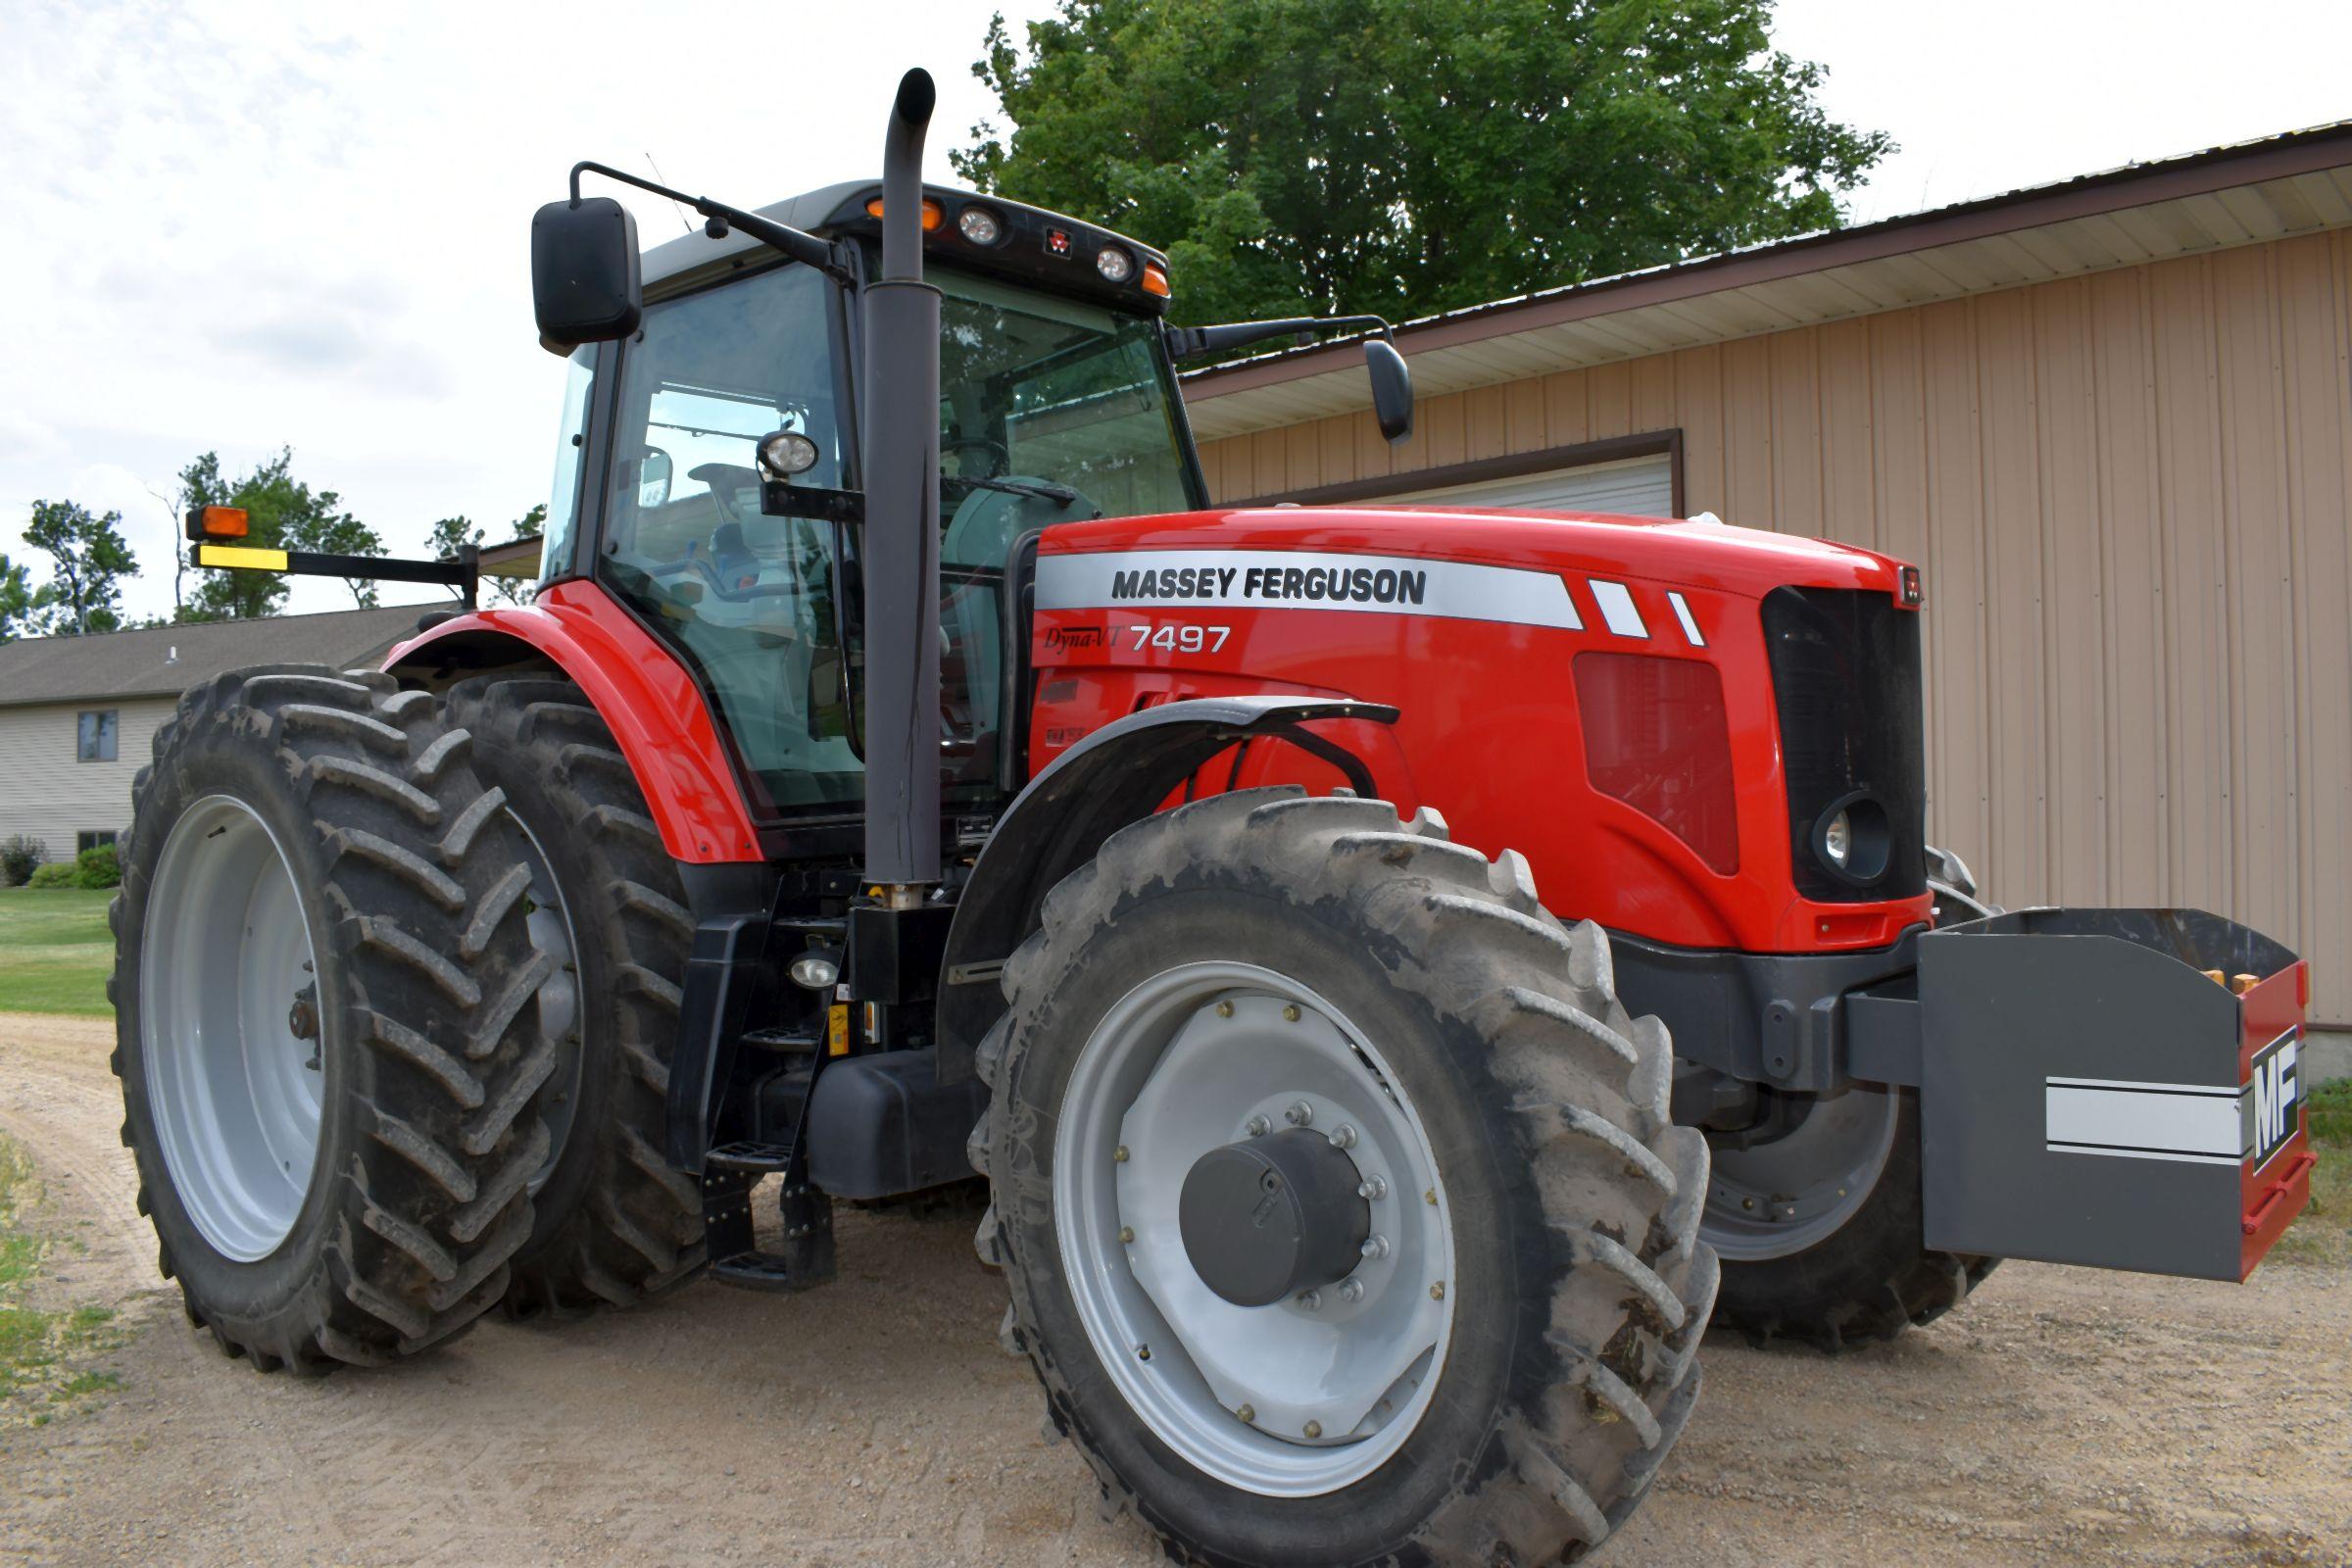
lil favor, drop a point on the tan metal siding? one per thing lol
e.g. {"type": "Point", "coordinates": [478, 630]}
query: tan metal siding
{"type": "Point", "coordinates": [2131, 492]}
{"type": "Point", "coordinates": [45, 792]}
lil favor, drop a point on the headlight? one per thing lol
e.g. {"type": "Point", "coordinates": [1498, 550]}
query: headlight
{"type": "Point", "coordinates": [1853, 839]}
{"type": "Point", "coordinates": [1114, 264]}
{"type": "Point", "coordinates": [1837, 838]}
{"type": "Point", "coordinates": [815, 971]}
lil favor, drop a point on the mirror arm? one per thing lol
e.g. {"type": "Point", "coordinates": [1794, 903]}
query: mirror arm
{"type": "Point", "coordinates": [1192, 342]}
{"type": "Point", "coordinates": [793, 242]}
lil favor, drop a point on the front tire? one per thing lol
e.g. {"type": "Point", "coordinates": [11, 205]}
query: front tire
{"type": "Point", "coordinates": [1485, 1069]}
{"type": "Point", "coordinates": [330, 1107]}
{"type": "Point", "coordinates": [1821, 1232]}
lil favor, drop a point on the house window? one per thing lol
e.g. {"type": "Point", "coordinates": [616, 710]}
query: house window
{"type": "Point", "coordinates": [96, 741]}
{"type": "Point", "coordinates": [90, 839]}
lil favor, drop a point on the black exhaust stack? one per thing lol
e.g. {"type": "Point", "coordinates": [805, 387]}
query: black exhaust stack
{"type": "Point", "coordinates": [900, 431]}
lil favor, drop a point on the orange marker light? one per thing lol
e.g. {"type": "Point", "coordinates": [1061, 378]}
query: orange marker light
{"type": "Point", "coordinates": [1156, 279]}
{"type": "Point", "coordinates": [217, 522]}
{"type": "Point", "coordinates": [934, 215]}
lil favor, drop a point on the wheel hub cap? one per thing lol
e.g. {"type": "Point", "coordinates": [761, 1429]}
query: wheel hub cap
{"type": "Point", "coordinates": [1273, 1217]}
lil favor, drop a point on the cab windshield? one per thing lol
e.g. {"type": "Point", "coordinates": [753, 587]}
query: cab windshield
{"type": "Point", "coordinates": [1050, 411]}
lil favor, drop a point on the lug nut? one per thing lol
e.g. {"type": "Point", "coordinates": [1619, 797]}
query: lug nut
{"type": "Point", "coordinates": [1351, 1291]}
{"type": "Point", "coordinates": [1375, 1188]}
{"type": "Point", "coordinates": [1224, 1009]}
{"type": "Point", "coordinates": [1290, 1013]}
{"type": "Point", "coordinates": [1257, 1127]}
{"type": "Point", "coordinates": [1312, 1301]}
{"type": "Point", "coordinates": [1248, 1412]}
{"type": "Point", "coordinates": [1430, 1198]}
{"type": "Point", "coordinates": [1437, 1292]}
{"type": "Point", "coordinates": [1118, 1155]}
{"type": "Point", "coordinates": [1343, 1137]}
{"type": "Point", "coordinates": [1375, 1249]}
{"type": "Point", "coordinates": [1300, 1113]}
{"type": "Point", "coordinates": [1314, 1429]}
{"type": "Point", "coordinates": [1126, 1233]}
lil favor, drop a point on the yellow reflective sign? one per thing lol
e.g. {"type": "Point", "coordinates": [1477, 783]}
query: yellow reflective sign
{"type": "Point", "coordinates": [240, 556]}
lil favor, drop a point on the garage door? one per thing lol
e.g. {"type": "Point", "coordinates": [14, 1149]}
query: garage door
{"type": "Point", "coordinates": [1642, 486]}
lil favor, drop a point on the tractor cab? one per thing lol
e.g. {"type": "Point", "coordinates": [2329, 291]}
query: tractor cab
{"type": "Point", "coordinates": [1056, 403]}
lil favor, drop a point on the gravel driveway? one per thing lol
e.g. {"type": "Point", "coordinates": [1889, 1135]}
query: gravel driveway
{"type": "Point", "coordinates": [2063, 1416]}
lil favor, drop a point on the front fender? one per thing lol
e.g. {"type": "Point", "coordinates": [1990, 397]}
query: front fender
{"type": "Point", "coordinates": [1117, 775]}
{"type": "Point", "coordinates": [638, 688]}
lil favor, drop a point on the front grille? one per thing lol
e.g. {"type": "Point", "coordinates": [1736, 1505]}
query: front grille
{"type": "Point", "coordinates": [1846, 675]}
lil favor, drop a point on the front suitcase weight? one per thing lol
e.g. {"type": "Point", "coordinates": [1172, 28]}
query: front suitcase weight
{"type": "Point", "coordinates": [2090, 1097]}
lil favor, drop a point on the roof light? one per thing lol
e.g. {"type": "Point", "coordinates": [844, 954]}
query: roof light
{"type": "Point", "coordinates": [217, 522]}
{"type": "Point", "coordinates": [1114, 264]}
{"type": "Point", "coordinates": [979, 225]}
{"type": "Point", "coordinates": [1156, 279]}
{"type": "Point", "coordinates": [934, 215]}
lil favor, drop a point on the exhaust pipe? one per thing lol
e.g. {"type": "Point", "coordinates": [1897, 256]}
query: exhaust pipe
{"type": "Point", "coordinates": [900, 452]}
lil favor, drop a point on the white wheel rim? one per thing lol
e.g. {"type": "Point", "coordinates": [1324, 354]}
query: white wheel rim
{"type": "Point", "coordinates": [1782, 1197]}
{"type": "Point", "coordinates": [235, 1094]}
{"type": "Point", "coordinates": [1168, 1076]}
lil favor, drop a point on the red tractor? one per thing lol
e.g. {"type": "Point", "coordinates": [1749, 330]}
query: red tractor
{"type": "Point", "coordinates": [903, 772]}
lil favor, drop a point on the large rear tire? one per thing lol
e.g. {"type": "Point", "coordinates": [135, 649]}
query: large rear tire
{"type": "Point", "coordinates": [1520, 1336]}
{"type": "Point", "coordinates": [616, 1224]}
{"type": "Point", "coordinates": [331, 1108]}
{"type": "Point", "coordinates": [1821, 1232]}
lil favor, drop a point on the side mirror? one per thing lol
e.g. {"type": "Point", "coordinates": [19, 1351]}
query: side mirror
{"type": "Point", "coordinates": [653, 478]}
{"type": "Point", "coordinates": [1392, 388]}
{"type": "Point", "coordinates": [586, 284]}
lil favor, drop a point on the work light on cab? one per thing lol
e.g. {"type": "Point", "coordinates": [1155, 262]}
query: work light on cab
{"type": "Point", "coordinates": [980, 225]}
{"type": "Point", "coordinates": [1114, 264]}
{"type": "Point", "coordinates": [787, 452]}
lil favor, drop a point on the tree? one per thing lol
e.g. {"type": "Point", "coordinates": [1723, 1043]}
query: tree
{"type": "Point", "coordinates": [22, 607]}
{"type": "Point", "coordinates": [283, 513]}
{"type": "Point", "coordinates": [1413, 156]}
{"type": "Point", "coordinates": [90, 561]}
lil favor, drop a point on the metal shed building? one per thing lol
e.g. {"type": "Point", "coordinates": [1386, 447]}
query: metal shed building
{"type": "Point", "coordinates": [2111, 418]}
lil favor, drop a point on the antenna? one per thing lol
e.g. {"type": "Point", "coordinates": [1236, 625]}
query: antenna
{"type": "Point", "coordinates": [673, 201]}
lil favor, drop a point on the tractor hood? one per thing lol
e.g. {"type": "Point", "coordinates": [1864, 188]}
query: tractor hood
{"type": "Point", "coordinates": [1674, 553]}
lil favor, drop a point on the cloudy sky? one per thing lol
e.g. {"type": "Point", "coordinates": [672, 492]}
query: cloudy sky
{"type": "Point", "coordinates": [235, 226]}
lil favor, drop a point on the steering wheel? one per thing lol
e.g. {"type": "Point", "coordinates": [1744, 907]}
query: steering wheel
{"type": "Point", "coordinates": [724, 479]}
{"type": "Point", "coordinates": [1000, 456]}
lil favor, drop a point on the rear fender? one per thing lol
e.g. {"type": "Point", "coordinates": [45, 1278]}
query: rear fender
{"type": "Point", "coordinates": [1119, 774]}
{"type": "Point", "coordinates": [637, 686]}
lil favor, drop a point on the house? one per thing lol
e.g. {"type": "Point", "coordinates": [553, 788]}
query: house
{"type": "Point", "coordinates": [79, 715]}
{"type": "Point", "coordinates": [2112, 420]}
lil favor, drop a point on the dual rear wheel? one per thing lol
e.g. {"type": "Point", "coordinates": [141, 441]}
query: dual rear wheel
{"type": "Point", "coordinates": [365, 1099]}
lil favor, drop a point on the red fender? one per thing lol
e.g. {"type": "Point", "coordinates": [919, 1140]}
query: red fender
{"type": "Point", "coordinates": [643, 693]}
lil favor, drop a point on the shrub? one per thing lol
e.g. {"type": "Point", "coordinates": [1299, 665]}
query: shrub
{"type": "Point", "coordinates": [18, 858]}
{"type": "Point", "coordinates": [55, 875]}
{"type": "Point", "coordinates": [97, 868]}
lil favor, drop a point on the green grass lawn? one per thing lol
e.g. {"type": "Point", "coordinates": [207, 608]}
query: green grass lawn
{"type": "Point", "coordinates": [55, 951]}
{"type": "Point", "coordinates": [2323, 1234]}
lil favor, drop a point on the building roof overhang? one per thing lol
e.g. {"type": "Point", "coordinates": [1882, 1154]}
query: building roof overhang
{"type": "Point", "coordinates": [2298, 182]}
